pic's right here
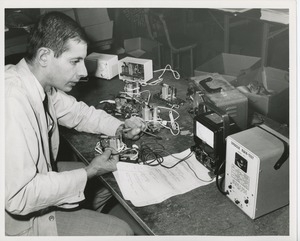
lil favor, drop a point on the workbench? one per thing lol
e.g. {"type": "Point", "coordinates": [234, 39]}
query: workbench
{"type": "Point", "coordinates": [202, 211]}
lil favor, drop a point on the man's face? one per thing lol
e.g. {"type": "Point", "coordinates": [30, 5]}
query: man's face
{"type": "Point", "coordinates": [66, 70]}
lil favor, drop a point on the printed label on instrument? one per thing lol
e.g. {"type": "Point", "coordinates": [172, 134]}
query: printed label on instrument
{"type": "Point", "coordinates": [240, 177]}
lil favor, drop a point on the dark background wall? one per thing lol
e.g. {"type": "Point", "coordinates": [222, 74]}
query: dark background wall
{"type": "Point", "coordinates": [199, 24]}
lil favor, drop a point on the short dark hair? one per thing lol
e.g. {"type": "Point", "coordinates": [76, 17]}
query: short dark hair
{"type": "Point", "coordinates": [53, 30]}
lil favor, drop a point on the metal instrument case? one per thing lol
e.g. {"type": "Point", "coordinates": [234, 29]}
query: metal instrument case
{"type": "Point", "coordinates": [222, 94]}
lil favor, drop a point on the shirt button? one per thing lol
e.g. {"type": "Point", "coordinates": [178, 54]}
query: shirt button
{"type": "Point", "coordinates": [51, 218]}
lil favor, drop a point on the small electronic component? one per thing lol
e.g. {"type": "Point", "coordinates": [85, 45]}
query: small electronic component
{"type": "Point", "coordinates": [197, 100]}
{"type": "Point", "coordinates": [122, 107]}
{"type": "Point", "coordinates": [146, 113]}
{"type": "Point", "coordinates": [132, 89]}
{"type": "Point", "coordinates": [115, 142]}
{"type": "Point", "coordinates": [168, 94]}
{"type": "Point", "coordinates": [151, 116]}
{"type": "Point", "coordinates": [155, 115]}
{"type": "Point", "coordinates": [129, 155]}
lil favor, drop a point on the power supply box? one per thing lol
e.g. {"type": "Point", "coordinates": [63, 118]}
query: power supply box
{"type": "Point", "coordinates": [103, 66]}
{"type": "Point", "coordinates": [135, 69]}
{"type": "Point", "coordinates": [257, 170]}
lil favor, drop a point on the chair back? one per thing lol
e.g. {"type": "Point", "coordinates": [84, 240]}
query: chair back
{"type": "Point", "coordinates": [157, 27]}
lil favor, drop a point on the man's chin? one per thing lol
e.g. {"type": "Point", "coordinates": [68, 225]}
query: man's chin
{"type": "Point", "coordinates": [67, 88]}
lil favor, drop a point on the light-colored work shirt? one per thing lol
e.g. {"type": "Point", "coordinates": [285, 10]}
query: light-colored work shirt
{"type": "Point", "coordinates": [31, 187]}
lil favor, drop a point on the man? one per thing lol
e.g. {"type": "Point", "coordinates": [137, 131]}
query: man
{"type": "Point", "coordinates": [38, 200]}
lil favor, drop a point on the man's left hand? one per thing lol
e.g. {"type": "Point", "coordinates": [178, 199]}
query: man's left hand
{"type": "Point", "coordinates": [132, 128]}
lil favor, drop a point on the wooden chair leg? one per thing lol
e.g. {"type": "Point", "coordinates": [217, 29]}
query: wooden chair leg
{"type": "Point", "coordinates": [192, 61]}
{"type": "Point", "coordinates": [159, 61]}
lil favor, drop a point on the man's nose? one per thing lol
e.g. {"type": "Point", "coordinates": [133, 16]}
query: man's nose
{"type": "Point", "coordinates": [82, 71]}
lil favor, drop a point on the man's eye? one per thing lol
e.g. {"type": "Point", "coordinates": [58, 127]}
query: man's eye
{"type": "Point", "coordinates": [75, 62]}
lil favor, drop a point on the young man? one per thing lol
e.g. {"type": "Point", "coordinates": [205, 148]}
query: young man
{"type": "Point", "coordinates": [38, 200]}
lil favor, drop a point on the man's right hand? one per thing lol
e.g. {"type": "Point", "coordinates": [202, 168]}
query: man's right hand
{"type": "Point", "coordinates": [102, 164]}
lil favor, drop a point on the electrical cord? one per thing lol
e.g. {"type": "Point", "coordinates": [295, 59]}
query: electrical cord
{"type": "Point", "coordinates": [149, 95]}
{"type": "Point", "coordinates": [170, 109]}
{"type": "Point", "coordinates": [174, 125]}
{"type": "Point", "coordinates": [196, 173]}
{"type": "Point", "coordinates": [168, 67]}
{"type": "Point", "coordinates": [219, 184]}
{"type": "Point", "coordinates": [153, 157]}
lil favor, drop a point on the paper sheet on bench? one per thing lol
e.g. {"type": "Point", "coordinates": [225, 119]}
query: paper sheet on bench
{"type": "Point", "coordinates": [145, 185]}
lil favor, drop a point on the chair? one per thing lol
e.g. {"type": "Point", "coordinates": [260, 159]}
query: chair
{"type": "Point", "coordinates": [177, 43]}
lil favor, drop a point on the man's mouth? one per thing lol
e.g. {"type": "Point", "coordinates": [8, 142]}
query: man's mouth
{"type": "Point", "coordinates": [73, 83]}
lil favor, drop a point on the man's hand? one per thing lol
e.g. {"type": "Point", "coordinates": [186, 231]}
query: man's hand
{"type": "Point", "coordinates": [132, 128]}
{"type": "Point", "coordinates": [102, 164]}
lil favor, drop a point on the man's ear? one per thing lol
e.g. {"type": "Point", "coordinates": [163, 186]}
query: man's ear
{"type": "Point", "coordinates": [43, 56]}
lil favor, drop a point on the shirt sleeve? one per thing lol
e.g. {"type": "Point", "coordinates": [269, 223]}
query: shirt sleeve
{"type": "Point", "coordinates": [29, 187]}
{"type": "Point", "coordinates": [78, 115]}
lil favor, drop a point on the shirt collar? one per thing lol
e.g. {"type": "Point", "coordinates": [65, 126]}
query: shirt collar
{"type": "Point", "coordinates": [40, 89]}
{"type": "Point", "coordinates": [38, 85]}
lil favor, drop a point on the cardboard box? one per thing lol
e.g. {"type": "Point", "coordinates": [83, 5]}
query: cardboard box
{"type": "Point", "coordinates": [91, 16]}
{"type": "Point", "coordinates": [228, 65]}
{"type": "Point", "coordinates": [99, 32]}
{"type": "Point", "coordinates": [276, 104]}
{"type": "Point", "coordinates": [143, 48]}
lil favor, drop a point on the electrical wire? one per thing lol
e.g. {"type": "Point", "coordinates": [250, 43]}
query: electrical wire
{"type": "Point", "coordinates": [170, 109]}
{"type": "Point", "coordinates": [222, 180]}
{"type": "Point", "coordinates": [196, 173]}
{"type": "Point", "coordinates": [153, 157]}
{"type": "Point", "coordinates": [149, 95]}
{"type": "Point", "coordinates": [171, 129]}
{"type": "Point", "coordinates": [168, 67]}
{"type": "Point", "coordinates": [174, 125]}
